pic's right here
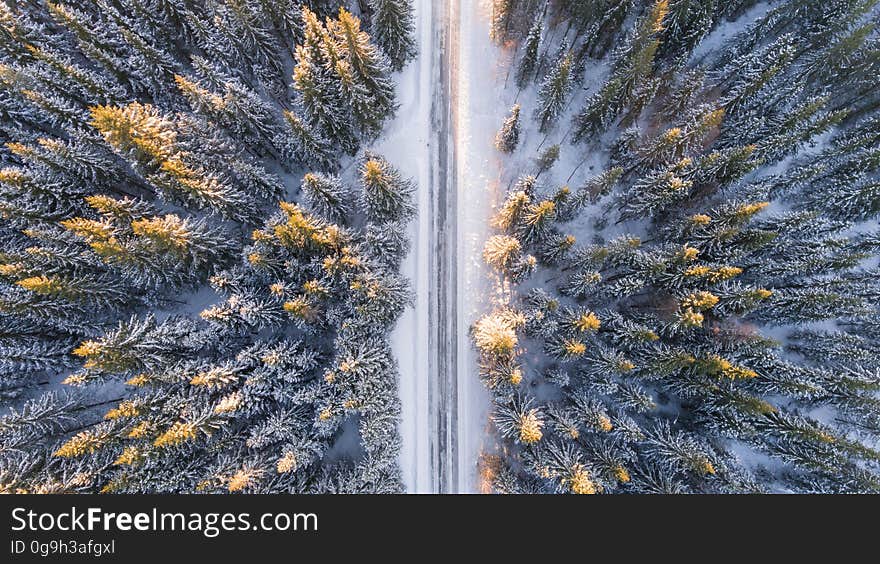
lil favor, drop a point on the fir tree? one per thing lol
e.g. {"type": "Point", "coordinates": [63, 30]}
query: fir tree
{"type": "Point", "coordinates": [529, 61]}
{"type": "Point", "coordinates": [554, 90]}
{"type": "Point", "coordinates": [507, 137]}
{"type": "Point", "coordinates": [632, 67]}
{"type": "Point", "coordinates": [393, 27]}
{"type": "Point", "coordinates": [304, 145]}
{"type": "Point", "coordinates": [370, 69]}
{"type": "Point", "coordinates": [327, 196]}
{"type": "Point", "coordinates": [547, 158]}
{"type": "Point", "coordinates": [319, 89]}
{"type": "Point", "coordinates": [386, 195]}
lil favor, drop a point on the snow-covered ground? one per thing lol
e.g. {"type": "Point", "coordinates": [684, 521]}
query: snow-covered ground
{"type": "Point", "coordinates": [406, 144]}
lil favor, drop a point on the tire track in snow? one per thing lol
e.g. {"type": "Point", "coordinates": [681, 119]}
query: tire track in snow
{"type": "Point", "coordinates": [443, 313]}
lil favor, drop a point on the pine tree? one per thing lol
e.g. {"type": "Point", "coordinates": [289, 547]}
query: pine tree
{"type": "Point", "coordinates": [369, 69]}
{"type": "Point", "coordinates": [136, 131]}
{"type": "Point", "coordinates": [602, 184]}
{"type": "Point", "coordinates": [656, 192]}
{"type": "Point", "coordinates": [529, 61]}
{"type": "Point", "coordinates": [386, 195]}
{"type": "Point", "coordinates": [687, 23]}
{"type": "Point", "coordinates": [502, 16]}
{"type": "Point", "coordinates": [93, 291]}
{"type": "Point", "coordinates": [238, 108]}
{"type": "Point", "coordinates": [504, 253]}
{"type": "Point", "coordinates": [509, 19]}
{"type": "Point", "coordinates": [304, 145]}
{"type": "Point", "coordinates": [757, 71]}
{"type": "Point", "coordinates": [554, 90]}
{"type": "Point", "coordinates": [393, 27]}
{"type": "Point", "coordinates": [507, 137]}
{"type": "Point", "coordinates": [194, 243]}
{"type": "Point", "coordinates": [319, 90]}
{"type": "Point", "coordinates": [139, 345]}
{"type": "Point", "coordinates": [632, 67]}
{"type": "Point", "coordinates": [388, 243]}
{"type": "Point", "coordinates": [547, 158]}
{"type": "Point", "coordinates": [327, 196]}
{"type": "Point", "coordinates": [90, 86]}
{"type": "Point", "coordinates": [202, 189]}
{"type": "Point", "coordinates": [520, 421]}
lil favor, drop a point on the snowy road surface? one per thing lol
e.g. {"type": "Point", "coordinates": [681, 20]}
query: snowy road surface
{"type": "Point", "coordinates": [443, 138]}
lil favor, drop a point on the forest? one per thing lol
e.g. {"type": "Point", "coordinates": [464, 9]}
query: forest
{"type": "Point", "coordinates": [699, 313]}
{"type": "Point", "coordinates": [200, 257]}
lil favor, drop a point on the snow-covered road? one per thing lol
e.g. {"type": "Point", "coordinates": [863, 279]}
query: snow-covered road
{"type": "Point", "coordinates": [442, 137]}
{"type": "Point", "coordinates": [478, 112]}
{"type": "Point", "coordinates": [407, 142]}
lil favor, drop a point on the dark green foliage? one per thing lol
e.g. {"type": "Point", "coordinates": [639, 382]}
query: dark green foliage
{"type": "Point", "coordinates": [393, 28]}
{"type": "Point", "coordinates": [547, 158]}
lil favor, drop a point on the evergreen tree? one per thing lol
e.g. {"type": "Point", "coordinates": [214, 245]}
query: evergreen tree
{"type": "Point", "coordinates": [137, 131]}
{"type": "Point", "coordinates": [386, 195]}
{"type": "Point", "coordinates": [554, 90]}
{"type": "Point", "coordinates": [688, 22]}
{"type": "Point", "coordinates": [502, 16]}
{"type": "Point", "coordinates": [318, 88]}
{"type": "Point", "coordinates": [327, 196]}
{"type": "Point", "coordinates": [510, 18]}
{"type": "Point", "coordinates": [547, 158]}
{"type": "Point", "coordinates": [633, 66]}
{"type": "Point", "coordinates": [529, 61]}
{"type": "Point", "coordinates": [631, 363]}
{"type": "Point", "coordinates": [507, 137]}
{"type": "Point", "coordinates": [238, 108]}
{"type": "Point", "coordinates": [304, 145]}
{"type": "Point", "coordinates": [393, 27]}
{"type": "Point", "coordinates": [369, 69]}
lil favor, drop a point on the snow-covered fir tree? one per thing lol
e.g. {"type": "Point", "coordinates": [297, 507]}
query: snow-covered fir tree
{"type": "Point", "coordinates": [507, 137]}
{"type": "Point", "coordinates": [393, 27]}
